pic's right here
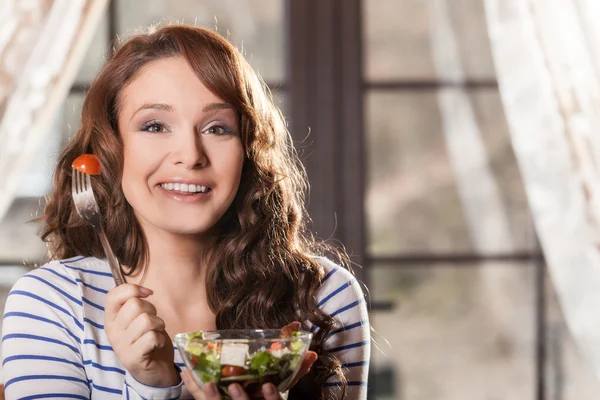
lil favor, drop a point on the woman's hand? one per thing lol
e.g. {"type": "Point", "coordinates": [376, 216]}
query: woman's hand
{"type": "Point", "coordinates": [210, 391]}
{"type": "Point", "coordinates": [138, 336]}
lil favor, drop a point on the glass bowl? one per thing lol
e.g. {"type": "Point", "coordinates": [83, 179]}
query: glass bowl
{"type": "Point", "coordinates": [249, 357]}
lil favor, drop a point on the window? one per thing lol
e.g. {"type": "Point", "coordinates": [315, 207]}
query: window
{"type": "Point", "coordinates": [396, 114]}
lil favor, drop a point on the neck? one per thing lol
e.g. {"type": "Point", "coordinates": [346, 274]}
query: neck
{"type": "Point", "coordinates": [175, 271]}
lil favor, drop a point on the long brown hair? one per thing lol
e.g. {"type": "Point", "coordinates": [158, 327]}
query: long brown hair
{"type": "Point", "coordinates": [262, 271]}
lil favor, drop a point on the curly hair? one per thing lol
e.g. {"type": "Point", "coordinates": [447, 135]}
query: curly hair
{"type": "Point", "coordinates": [262, 271]}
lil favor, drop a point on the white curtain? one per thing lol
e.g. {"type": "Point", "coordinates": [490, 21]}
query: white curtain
{"type": "Point", "coordinates": [42, 43]}
{"type": "Point", "coordinates": [547, 58]}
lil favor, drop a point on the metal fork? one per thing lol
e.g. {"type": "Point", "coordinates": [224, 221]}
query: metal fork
{"type": "Point", "coordinates": [87, 208]}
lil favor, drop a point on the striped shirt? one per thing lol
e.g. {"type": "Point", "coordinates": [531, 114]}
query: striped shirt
{"type": "Point", "coordinates": [54, 344]}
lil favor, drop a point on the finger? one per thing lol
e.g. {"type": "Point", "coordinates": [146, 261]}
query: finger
{"type": "Point", "coordinates": [309, 359]}
{"type": "Point", "coordinates": [119, 295]}
{"type": "Point", "coordinates": [289, 329]}
{"type": "Point", "coordinates": [143, 323]}
{"type": "Point", "coordinates": [211, 392]}
{"type": "Point", "coordinates": [131, 310]}
{"type": "Point", "coordinates": [148, 342]}
{"type": "Point", "coordinates": [237, 393]}
{"type": "Point", "coordinates": [270, 392]}
{"type": "Point", "coordinates": [192, 386]}
{"type": "Point", "coordinates": [208, 392]}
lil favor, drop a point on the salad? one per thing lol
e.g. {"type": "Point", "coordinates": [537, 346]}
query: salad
{"type": "Point", "coordinates": [250, 363]}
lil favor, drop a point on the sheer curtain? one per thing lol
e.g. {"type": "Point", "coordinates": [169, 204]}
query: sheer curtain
{"type": "Point", "coordinates": [42, 43]}
{"type": "Point", "coordinates": [547, 57]}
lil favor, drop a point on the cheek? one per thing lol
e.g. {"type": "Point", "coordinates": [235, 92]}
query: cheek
{"type": "Point", "coordinates": [231, 162]}
{"type": "Point", "coordinates": [136, 166]}
{"type": "Point", "coordinates": [129, 166]}
{"type": "Point", "coordinates": [235, 168]}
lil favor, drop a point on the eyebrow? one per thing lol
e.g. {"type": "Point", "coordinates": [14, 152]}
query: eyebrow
{"type": "Point", "coordinates": [153, 106]}
{"type": "Point", "coordinates": [217, 106]}
{"type": "Point", "coordinates": [169, 108]}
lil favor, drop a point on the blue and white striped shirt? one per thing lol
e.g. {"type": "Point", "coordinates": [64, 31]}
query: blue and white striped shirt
{"type": "Point", "coordinates": [54, 345]}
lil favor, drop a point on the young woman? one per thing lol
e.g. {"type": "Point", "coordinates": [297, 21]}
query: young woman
{"type": "Point", "coordinates": [202, 198]}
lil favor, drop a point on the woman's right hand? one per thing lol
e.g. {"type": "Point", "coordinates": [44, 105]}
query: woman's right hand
{"type": "Point", "coordinates": [138, 337]}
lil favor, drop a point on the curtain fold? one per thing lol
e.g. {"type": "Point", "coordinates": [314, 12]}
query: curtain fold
{"type": "Point", "coordinates": [546, 54]}
{"type": "Point", "coordinates": [42, 44]}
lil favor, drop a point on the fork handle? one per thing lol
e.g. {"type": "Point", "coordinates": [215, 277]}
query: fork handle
{"type": "Point", "coordinates": [112, 260]}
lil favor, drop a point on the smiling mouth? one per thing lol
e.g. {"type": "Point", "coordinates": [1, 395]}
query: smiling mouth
{"type": "Point", "coordinates": [184, 188]}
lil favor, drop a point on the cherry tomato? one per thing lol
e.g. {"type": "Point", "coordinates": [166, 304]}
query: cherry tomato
{"type": "Point", "coordinates": [276, 346]}
{"type": "Point", "coordinates": [233, 370]}
{"type": "Point", "coordinates": [194, 359]}
{"type": "Point", "coordinates": [88, 164]}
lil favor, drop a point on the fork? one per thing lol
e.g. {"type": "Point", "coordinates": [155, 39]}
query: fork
{"type": "Point", "coordinates": [87, 208]}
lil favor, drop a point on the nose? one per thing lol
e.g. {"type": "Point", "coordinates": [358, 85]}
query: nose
{"type": "Point", "coordinates": [189, 151]}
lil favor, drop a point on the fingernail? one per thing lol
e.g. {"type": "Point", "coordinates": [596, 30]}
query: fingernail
{"type": "Point", "coordinates": [210, 389]}
{"type": "Point", "coordinates": [184, 377]}
{"type": "Point", "coordinates": [145, 291]}
{"type": "Point", "coordinates": [268, 389]}
{"type": "Point", "coordinates": [235, 390]}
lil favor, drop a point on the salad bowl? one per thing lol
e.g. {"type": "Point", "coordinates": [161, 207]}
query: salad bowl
{"type": "Point", "coordinates": [248, 357]}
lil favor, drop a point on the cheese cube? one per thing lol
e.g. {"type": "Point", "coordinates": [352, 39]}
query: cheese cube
{"type": "Point", "coordinates": [234, 354]}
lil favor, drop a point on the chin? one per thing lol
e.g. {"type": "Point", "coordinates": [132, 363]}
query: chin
{"type": "Point", "coordinates": [188, 229]}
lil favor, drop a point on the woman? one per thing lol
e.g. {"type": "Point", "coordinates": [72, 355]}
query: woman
{"type": "Point", "coordinates": [202, 198]}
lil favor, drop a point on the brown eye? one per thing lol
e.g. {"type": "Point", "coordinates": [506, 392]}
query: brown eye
{"type": "Point", "coordinates": [218, 130]}
{"type": "Point", "coordinates": [154, 127]}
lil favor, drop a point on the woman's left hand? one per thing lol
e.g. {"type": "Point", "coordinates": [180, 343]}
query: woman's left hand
{"type": "Point", "coordinates": [210, 391]}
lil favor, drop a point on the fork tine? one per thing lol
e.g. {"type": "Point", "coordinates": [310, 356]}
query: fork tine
{"type": "Point", "coordinates": [80, 188]}
{"type": "Point", "coordinates": [73, 179]}
{"type": "Point", "coordinates": [88, 183]}
{"type": "Point", "coordinates": [77, 188]}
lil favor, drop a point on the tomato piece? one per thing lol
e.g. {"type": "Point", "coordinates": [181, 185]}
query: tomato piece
{"type": "Point", "coordinates": [194, 359]}
{"type": "Point", "coordinates": [233, 370]}
{"type": "Point", "coordinates": [88, 164]}
{"type": "Point", "coordinates": [276, 346]}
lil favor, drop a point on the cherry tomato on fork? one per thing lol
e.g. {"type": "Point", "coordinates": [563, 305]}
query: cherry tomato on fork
{"type": "Point", "coordinates": [88, 164]}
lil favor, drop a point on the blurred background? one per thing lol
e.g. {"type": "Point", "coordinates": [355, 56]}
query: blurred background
{"type": "Point", "coordinates": [396, 111]}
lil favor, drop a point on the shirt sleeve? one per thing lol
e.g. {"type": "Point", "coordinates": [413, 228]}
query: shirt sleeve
{"type": "Point", "coordinates": [41, 340]}
{"type": "Point", "coordinates": [342, 298]}
{"type": "Point", "coordinates": [42, 335]}
{"type": "Point", "coordinates": [133, 389]}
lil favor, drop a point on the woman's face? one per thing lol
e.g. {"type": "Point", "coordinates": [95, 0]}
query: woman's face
{"type": "Point", "coordinates": [183, 155]}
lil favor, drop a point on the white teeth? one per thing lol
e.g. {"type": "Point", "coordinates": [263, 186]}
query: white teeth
{"type": "Point", "coordinates": [184, 187]}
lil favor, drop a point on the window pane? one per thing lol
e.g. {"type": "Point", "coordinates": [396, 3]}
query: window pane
{"type": "Point", "coordinates": [398, 38]}
{"type": "Point", "coordinates": [72, 115]}
{"type": "Point", "coordinates": [456, 332]}
{"type": "Point", "coordinates": [256, 26]}
{"type": "Point", "coordinates": [96, 54]}
{"type": "Point", "coordinates": [569, 375]}
{"type": "Point", "coordinates": [280, 97]}
{"type": "Point", "coordinates": [422, 190]}
{"type": "Point", "coordinates": [19, 238]}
